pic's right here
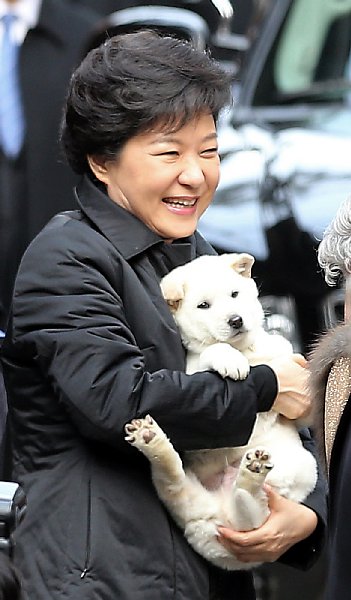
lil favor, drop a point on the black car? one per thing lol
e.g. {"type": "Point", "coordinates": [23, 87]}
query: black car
{"type": "Point", "coordinates": [286, 160]}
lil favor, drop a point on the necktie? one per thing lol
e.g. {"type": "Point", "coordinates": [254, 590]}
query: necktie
{"type": "Point", "coordinates": [11, 111]}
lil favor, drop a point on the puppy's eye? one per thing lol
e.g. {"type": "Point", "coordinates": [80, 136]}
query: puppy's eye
{"type": "Point", "coordinates": [235, 294]}
{"type": "Point", "coordinates": [203, 305]}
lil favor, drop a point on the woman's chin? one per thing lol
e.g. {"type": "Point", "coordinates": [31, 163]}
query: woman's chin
{"type": "Point", "coordinates": [180, 230]}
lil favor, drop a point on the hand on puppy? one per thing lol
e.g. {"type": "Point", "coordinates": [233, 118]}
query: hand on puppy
{"type": "Point", "coordinates": [292, 400]}
{"type": "Point", "coordinates": [287, 524]}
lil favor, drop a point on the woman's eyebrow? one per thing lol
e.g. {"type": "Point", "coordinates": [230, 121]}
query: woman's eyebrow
{"type": "Point", "coordinates": [171, 138]}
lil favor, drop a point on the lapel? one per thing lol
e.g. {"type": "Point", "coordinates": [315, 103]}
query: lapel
{"type": "Point", "coordinates": [338, 390]}
{"type": "Point", "coordinates": [330, 385]}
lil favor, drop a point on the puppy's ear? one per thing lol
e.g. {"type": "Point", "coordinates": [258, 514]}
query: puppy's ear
{"type": "Point", "coordinates": [241, 263]}
{"type": "Point", "coordinates": [173, 290]}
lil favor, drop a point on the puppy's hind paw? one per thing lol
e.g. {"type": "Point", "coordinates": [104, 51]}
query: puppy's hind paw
{"type": "Point", "coordinates": [258, 461]}
{"type": "Point", "coordinates": [141, 432]}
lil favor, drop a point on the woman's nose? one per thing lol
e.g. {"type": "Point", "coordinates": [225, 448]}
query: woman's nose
{"type": "Point", "coordinates": [191, 173]}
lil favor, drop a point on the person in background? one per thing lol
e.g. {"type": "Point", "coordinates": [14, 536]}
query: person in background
{"type": "Point", "coordinates": [3, 414]}
{"type": "Point", "coordinates": [41, 41]}
{"type": "Point", "coordinates": [330, 385]}
{"type": "Point", "coordinates": [10, 580]}
{"type": "Point", "coordinates": [91, 344]}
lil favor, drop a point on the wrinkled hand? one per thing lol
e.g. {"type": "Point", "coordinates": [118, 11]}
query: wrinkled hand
{"type": "Point", "coordinates": [288, 523]}
{"type": "Point", "coordinates": [292, 400]}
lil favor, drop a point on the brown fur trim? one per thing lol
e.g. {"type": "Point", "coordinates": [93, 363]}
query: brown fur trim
{"type": "Point", "coordinates": [332, 345]}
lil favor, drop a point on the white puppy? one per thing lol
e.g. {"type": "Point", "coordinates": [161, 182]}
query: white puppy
{"type": "Point", "coordinates": [215, 304]}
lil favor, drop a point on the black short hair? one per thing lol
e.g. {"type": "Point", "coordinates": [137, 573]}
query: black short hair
{"type": "Point", "coordinates": [131, 82]}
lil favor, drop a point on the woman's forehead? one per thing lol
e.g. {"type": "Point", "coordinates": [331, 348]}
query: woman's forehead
{"type": "Point", "coordinates": [171, 124]}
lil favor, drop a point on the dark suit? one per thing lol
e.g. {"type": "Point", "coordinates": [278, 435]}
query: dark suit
{"type": "Point", "coordinates": [39, 184]}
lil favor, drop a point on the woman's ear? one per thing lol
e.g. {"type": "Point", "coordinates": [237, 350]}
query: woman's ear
{"type": "Point", "coordinates": [98, 167]}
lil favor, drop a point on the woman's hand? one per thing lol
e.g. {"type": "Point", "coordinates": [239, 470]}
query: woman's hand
{"type": "Point", "coordinates": [292, 400]}
{"type": "Point", "coordinates": [288, 523]}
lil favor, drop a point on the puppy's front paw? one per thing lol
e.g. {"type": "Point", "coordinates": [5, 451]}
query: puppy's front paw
{"type": "Point", "coordinates": [225, 360]}
{"type": "Point", "coordinates": [241, 367]}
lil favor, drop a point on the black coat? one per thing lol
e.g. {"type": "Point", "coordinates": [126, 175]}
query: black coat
{"type": "Point", "coordinates": [93, 345]}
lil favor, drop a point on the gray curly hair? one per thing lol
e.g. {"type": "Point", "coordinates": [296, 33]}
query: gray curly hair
{"type": "Point", "coordinates": [334, 252]}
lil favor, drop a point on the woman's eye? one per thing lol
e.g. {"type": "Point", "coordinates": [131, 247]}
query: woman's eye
{"type": "Point", "coordinates": [210, 151]}
{"type": "Point", "coordinates": [203, 305]}
{"type": "Point", "coordinates": [235, 294]}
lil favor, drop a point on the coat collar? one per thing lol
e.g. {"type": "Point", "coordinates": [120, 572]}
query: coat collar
{"type": "Point", "coordinates": [330, 365]}
{"type": "Point", "coordinates": [125, 231]}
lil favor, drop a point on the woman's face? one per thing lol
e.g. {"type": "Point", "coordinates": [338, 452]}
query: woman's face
{"type": "Point", "coordinates": [167, 179]}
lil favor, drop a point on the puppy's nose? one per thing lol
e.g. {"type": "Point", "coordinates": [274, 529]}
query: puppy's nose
{"type": "Point", "coordinates": [235, 322]}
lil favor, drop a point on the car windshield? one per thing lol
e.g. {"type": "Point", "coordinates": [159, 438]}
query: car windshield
{"type": "Point", "coordinates": [309, 58]}
{"type": "Point", "coordinates": [291, 121]}
{"type": "Point", "coordinates": [306, 62]}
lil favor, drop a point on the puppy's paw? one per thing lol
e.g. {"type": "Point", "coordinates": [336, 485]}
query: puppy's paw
{"type": "Point", "coordinates": [257, 460]}
{"type": "Point", "coordinates": [142, 432]}
{"type": "Point", "coordinates": [240, 369]}
{"type": "Point", "coordinates": [225, 360]}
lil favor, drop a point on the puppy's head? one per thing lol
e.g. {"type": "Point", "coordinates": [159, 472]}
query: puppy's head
{"type": "Point", "coordinates": [213, 299]}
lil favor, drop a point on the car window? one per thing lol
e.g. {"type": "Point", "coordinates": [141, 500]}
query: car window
{"type": "Point", "coordinates": [300, 49]}
{"type": "Point", "coordinates": [309, 56]}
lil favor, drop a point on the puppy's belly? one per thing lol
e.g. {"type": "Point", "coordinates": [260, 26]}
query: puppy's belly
{"type": "Point", "coordinates": [224, 479]}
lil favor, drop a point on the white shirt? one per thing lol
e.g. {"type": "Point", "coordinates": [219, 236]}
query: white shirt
{"type": "Point", "coordinates": [27, 12]}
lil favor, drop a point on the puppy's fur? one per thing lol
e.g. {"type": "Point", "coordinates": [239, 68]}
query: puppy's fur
{"type": "Point", "coordinates": [215, 304]}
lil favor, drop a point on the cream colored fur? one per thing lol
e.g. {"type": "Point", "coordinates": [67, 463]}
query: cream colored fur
{"type": "Point", "coordinates": [215, 304]}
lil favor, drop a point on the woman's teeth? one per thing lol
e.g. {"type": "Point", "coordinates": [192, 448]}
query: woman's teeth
{"type": "Point", "coordinates": [179, 202]}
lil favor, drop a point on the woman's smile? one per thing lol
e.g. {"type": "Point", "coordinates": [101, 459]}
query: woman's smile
{"type": "Point", "coordinates": [181, 205]}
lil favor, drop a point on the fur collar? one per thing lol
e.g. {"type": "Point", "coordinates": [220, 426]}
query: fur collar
{"type": "Point", "coordinates": [332, 345]}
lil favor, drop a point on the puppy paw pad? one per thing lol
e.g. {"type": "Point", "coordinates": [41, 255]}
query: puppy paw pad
{"type": "Point", "coordinates": [141, 431]}
{"type": "Point", "coordinates": [258, 460]}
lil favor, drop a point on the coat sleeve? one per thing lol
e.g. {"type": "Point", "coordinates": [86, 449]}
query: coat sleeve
{"type": "Point", "coordinates": [69, 317]}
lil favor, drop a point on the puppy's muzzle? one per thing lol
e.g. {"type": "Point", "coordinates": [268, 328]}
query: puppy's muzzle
{"type": "Point", "coordinates": [236, 322]}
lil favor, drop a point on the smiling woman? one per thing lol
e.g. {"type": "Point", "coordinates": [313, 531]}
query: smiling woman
{"type": "Point", "coordinates": [92, 344]}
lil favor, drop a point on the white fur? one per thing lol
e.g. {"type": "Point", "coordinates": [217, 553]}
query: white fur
{"type": "Point", "coordinates": [215, 305]}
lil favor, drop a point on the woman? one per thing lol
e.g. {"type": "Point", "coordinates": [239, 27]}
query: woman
{"type": "Point", "coordinates": [92, 343]}
{"type": "Point", "coordinates": [331, 386]}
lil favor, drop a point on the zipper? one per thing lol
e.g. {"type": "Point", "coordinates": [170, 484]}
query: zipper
{"type": "Point", "coordinates": [88, 540]}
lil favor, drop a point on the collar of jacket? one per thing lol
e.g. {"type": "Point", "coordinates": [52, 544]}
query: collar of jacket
{"type": "Point", "coordinates": [331, 346]}
{"type": "Point", "coordinates": [125, 231]}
